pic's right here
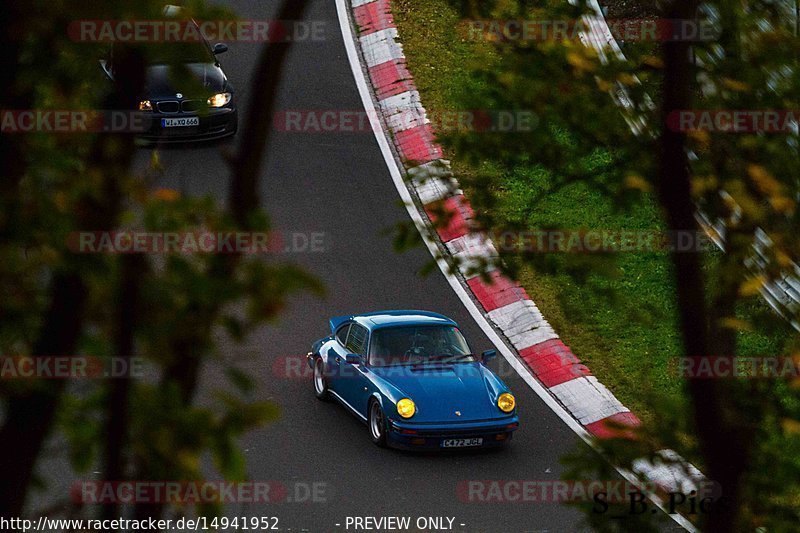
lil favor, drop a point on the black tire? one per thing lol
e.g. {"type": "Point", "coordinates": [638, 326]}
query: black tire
{"type": "Point", "coordinates": [319, 381]}
{"type": "Point", "coordinates": [376, 423]}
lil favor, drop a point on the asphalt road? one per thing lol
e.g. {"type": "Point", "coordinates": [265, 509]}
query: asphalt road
{"type": "Point", "coordinates": [337, 183]}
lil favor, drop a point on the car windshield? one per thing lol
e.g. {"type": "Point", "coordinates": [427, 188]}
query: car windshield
{"type": "Point", "coordinates": [412, 345]}
{"type": "Point", "coordinates": [174, 53]}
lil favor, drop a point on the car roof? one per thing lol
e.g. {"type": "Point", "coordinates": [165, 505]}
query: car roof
{"type": "Point", "coordinates": [381, 319]}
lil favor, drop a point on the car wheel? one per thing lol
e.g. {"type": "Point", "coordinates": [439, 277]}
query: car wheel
{"type": "Point", "coordinates": [320, 383]}
{"type": "Point", "coordinates": [377, 424]}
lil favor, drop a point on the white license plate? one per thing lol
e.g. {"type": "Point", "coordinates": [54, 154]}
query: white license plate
{"type": "Point", "coordinates": [461, 443]}
{"type": "Point", "coordinates": [180, 122]}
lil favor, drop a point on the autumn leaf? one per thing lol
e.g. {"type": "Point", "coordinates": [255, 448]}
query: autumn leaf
{"type": "Point", "coordinates": [603, 85]}
{"type": "Point", "coordinates": [762, 179]}
{"type": "Point", "coordinates": [735, 85]}
{"type": "Point", "coordinates": [704, 184]}
{"type": "Point", "coordinates": [735, 323]}
{"type": "Point", "coordinates": [699, 135]}
{"type": "Point", "coordinates": [580, 61]}
{"type": "Point", "coordinates": [783, 205]}
{"type": "Point", "coordinates": [790, 425]}
{"type": "Point", "coordinates": [653, 61]}
{"type": "Point", "coordinates": [752, 286]}
{"type": "Point", "coordinates": [783, 259]}
{"type": "Point", "coordinates": [166, 195]}
{"type": "Point", "coordinates": [635, 181]}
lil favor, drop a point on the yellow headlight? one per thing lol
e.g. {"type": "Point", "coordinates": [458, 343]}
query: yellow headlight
{"type": "Point", "coordinates": [145, 105]}
{"type": "Point", "coordinates": [406, 408]}
{"type": "Point", "coordinates": [506, 402]}
{"type": "Point", "coordinates": [219, 99]}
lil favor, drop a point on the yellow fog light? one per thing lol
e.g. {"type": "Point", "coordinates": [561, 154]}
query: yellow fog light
{"type": "Point", "coordinates": [406, 408]}
{"type": "Point", "coordinates": [506, 402]}
{"type": "Point", "coordinates": [219, 100]}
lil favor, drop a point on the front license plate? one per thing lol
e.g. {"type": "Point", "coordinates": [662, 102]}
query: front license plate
{"type": "Point", "coordinates": [461, 443]}
{"type": "Point", "coordinates": [180, 122]}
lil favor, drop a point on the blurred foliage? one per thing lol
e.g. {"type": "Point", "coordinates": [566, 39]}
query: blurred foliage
{"type": "Point", "coordinates": [584, 143]}
{"type": "Point", "coordinates": [187, 304]}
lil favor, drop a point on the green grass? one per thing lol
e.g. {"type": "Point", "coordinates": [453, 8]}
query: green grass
{"type": "Point", "coordinates": [619, 316]}
{"type": "Point", "coordinates": [619, 338]}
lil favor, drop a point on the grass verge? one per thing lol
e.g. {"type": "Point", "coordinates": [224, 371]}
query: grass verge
{"type": "Point", "coordinates": [618, 316]}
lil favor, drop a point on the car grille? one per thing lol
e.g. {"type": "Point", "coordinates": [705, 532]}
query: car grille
{"type": "Point", "coordinates": [191, 105]}
{"type": "Point", "coordinates": [169, 106]}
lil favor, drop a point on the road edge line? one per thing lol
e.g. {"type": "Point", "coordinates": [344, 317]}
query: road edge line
{"type": "Point", "coordinates": [394, 167]}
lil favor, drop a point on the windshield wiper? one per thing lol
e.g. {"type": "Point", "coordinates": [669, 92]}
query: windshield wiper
{"type": "Point", "coordinates": [453, 358]}
{"type": "Point", "coordinates": [462, 356]}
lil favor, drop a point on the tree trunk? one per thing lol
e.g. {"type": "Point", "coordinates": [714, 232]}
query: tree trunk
{"type": "Point", "coordinates": [31, 414]}
{"type": "Point", "coordinates": [719, 442]}
{"type": "Point", "coordinates": [243, 202]}
{"type": "Point", "coordinates": [117, 416]}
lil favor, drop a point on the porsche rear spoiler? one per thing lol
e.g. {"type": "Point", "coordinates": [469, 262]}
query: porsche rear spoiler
{"type": "Point", "coordinates": [337, 321]}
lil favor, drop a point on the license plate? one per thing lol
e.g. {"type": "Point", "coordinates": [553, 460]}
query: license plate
{"type": "Point", "coordinates": [180, 122]}
{"type": "Point", "coordinates": [461, 443]}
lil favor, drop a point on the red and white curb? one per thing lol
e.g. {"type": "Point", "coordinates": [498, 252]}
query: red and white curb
{"type": "Point", "coordinates": [504, 302]}
{"type": "Point", "coordinates": [547, 364]}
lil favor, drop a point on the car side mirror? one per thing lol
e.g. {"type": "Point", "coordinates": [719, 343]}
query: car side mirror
{"type": "Point", "coordinates": [220, 48]}
{"type": "Point", "coordinates": [488, 355]}
{"type": "Point", "coordinates": [353, 359]}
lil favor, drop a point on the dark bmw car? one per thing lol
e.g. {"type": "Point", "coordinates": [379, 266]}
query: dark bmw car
{"type": "Point", "coordinates": [187, 95]}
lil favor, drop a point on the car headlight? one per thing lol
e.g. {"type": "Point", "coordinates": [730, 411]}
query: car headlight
{"type": "Point", "coordinates": [406, 408]}
{"type": "Point", "coordinates": [219, 99]}
{"type": "Point", "coordinates": [506, 402]}
{"type": "Point", "coordinates": [145, 105]}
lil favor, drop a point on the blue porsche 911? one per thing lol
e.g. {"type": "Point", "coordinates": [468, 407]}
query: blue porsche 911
{"type": "Point", "coordinates": [412, 377]}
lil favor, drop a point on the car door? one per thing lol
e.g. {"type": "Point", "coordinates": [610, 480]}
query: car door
{"type": "Point", "coordinates": [352, 378]}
